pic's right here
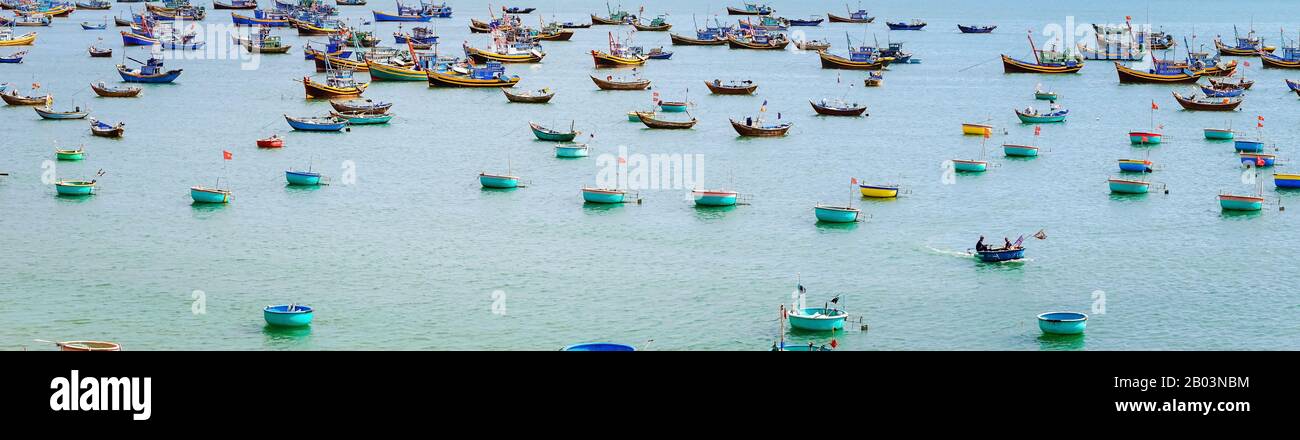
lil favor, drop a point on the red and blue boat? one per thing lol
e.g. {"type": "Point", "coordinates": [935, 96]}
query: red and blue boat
{"type": "Point", "coordinates": [1257, 160]}
{"type": "Point", "coordinates": [1135, 165]}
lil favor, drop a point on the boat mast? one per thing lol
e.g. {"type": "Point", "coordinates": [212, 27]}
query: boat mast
{"type": "Point", "coordinates": [1037, 60]}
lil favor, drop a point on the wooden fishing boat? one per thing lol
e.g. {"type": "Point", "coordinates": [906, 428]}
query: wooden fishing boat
{"type": "Point", "coordinates": [491, 75]}
{"type": "Point", "coordinates": [658, 53]}
{"type": "Point", "coordinates": [648, 118]}
{"type": "Point", "coordinates": [1195, 102]}
{"type": "Point", "coordinates": [68, 187]}
{"type": "Point", "coordinates": [7, 39]}
{"type": "Point", "coordinates": [517, 10]}
{"type": "Point", "coordinates": [750, 9]}
{"type": "Point", "coordinates": [306, 28]}
{"type": "Point", "coordinates": [572, 25]}
{"type": "Point", "coordinates": [604, 195]}
{"type": "Point", "coordinates": [976, 129]}
{"type": "Point", "coordinates": [969, 166]}
{"type": "Point", "coordinates": [529, 96]}
{"type": "Point", "coordinates": [263, 42]}
{"type": "Point", "coordinates": [756, 128]}
{"type": "Point", "coordinates": [94, 5]}
{"type": "Point", "coordinates": [673, 106]}
{"type": "Point", "coordinates": [350, 2]}
{"type": "Point", "coordinates": [914, 25]}
{"type": "Point", "coordinates": [717, 87]}
{"type": "Point", "coordinates": [86, 26]}
{"type": "Point", "coordinates": [656, 25]}
{"type": "Point", "coordinates": [70, 155]}
{"type": "Point", "coordinates": [275, 141]}
{"type": "Point", "coordinates": [498, 181]}
{"type": "Point", "coordinates": [122, 22]}
{"type": "Point", "coordinates": [835, 214]}
{"type": "Point", "coordinates": [1244, 47]}
{"type": "Point", "coordinates": [150, 71]}
{"type": "Point", "coordinates": [1219, 134]}
{"type": "Point", "coordinates": [1294, 86]}
{"type": "Point", "coordinates": [302, 178]}
{"type": "Point", "coordinates": [1288, 59]}
{"type": "Point", "coordinates": [13, 98]}
{"type": "Point", "coordinates": [361, 105]}
{"type": "Point", "coordinates": [615, 18]}
{"type": "Point", "coordinates": [999, 255]}
{"type": "Point", "coordinates": [342, 86]}
{"type": "Point", "coordinates": [1286, 181]}
{"type": "Point", "coordinates": [49, 113]}
{"type": "Point", "coordinates": [858, 16]}
{"type": "Point", "coordinates": [1258, 160]}
{"type": "Point", "coordinates": [320, 123]}
{"type": "Point", "coordinates": [1132, 76]}
{"type": "Point", "coordinates": [326, 62]}
{"type": "Point", "coordinates": [510, 56]}
{"type": "Point", "coordinates": [201, 194]}
{"type": "Point", "coordinates": [682, 40]}
{"type": "Point", "coordinates": [102, 129]}
{"type": "Point", "coordinates": [1045, 96]}
{"type": "Point", "coordinates": [552, 135]}
{"type": "Point", "coordinates": [570, 151]}
{"type": "Point", "coordinates": [1135, 166]}
{"type": "Point", "coordinates": [381, 16]}
{"type": "Point", "coordinates": [812, 45]}
{"type": "Point", "coordinates": [88, 346]}
{"type": "Point", "coordinates": [130, 38]}
{"type": "Point", "coordinates": [1224, 91]}
{"type": "Point", "coordinates": [615, 84]}
{"type": "Point", "coordinates": [975, 29]}
{"type": "Point", "coordinates": [878, 191]}
{"type": "Point", "coordinates": [874, 79]}
{"type": "Point", "coordinates": [1013, 150]}
{"type": "Point", "coordinates": [31, 21]}
{"type": "Point", "coordinates": [479, 27]}
{"type": "Point", "coordinates": [1012, 65]}
{"type": "Point", "coordinates": [1062, 323]}
{"type": "Point", "coordinates": [810, 21]}
{"type": "Point", "coordinates": [862, 58]}
{"type": "Point", "coordinates": [1248, 145]}
{"type": "Point", "coordinates": [1232, 202]}
{"type": "Point", "coordinates": [234, 4]}
{"type": "Point", "coordinates": [96, 52]}
{"type": "Point", "coordinates": [603, 59]}
{"type": "Point", "coordinates": [837, 107]}
{"type": "Point", "coordinates": [362, 118]}
{"type": "Point", "coordinates": [15, 58]}
{"type": "Point", "coordinates": [260, 18]}
{"type": "Point", "coordinates": [107, 91]}
{"type": "Point", "coordinates": [758, 42]}
{"type": "Point", "coordinates": [1040, 118]}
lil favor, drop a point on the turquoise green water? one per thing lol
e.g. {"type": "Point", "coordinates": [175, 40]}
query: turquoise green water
{"type": "Point", "coordinates": [409, 256]}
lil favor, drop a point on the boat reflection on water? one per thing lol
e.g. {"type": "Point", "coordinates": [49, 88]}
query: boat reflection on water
{"type": "Point", "coordinates": [1054, 342]}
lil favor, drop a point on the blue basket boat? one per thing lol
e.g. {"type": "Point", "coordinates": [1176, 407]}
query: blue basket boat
{"type": "Point", "coordinates": [603, 195]}
{"type": "Point", "coordinates": [498, 181]}
{"type": "Point", "coordinates": [714, 197]}
{"type": "Point", "coordinates": [1232, 202]}
{"type": "Point", "coordinates": [1063, 323]}
{"type": "Point", "coordinates": [1129, 186]}
{"type": "Point", "coordinates": [1000, 255]}
{"type": "Point", "coordinates": [1013, 150]}
{"type": "Point", "coordinates": [970, 166]}
{"type": "Point", "coordinates": [1219, 134]}
{"type": "Point", "coordinates": [288, 315]}
{"type": "Point", "coordinates": [327, 123]}
{"type": "Point", "coordinates": [836, 214]}
{"type": "Point", "coordinates": [670, 107]}
{"type": "Point", "coordinates": [1248, 146]}
{"type": "Point", "coordinates": [74, 187]}
{"type": "Point", "coordinates": [599, 346]}
{"type": "Point", "coordinates": [817, 319]}
{"type": "Point", "coordinates": [302, 178]}
{"type": "Point", "coordinates": [1286, 181]}
{"type": "Point", "coordinates": [1135, 165]}
{"type": "Point", "coordinates": [202, 194]}
{"type": "Point", "coordinates": [134, 39]}
{"type": "Point", "coordinates": [572, 150]}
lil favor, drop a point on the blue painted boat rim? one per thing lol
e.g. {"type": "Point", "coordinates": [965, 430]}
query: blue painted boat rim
{"type": "Point", "coordinates": [288, 309]}
{"type": "Point", "coordinates": [837, 208]}
{"type": "Point", "coordinates": [302, 173]}
{"type": "Point", "coordinates": [600, 346]}
{"type": "Point", "coordinates": [1063, 317]}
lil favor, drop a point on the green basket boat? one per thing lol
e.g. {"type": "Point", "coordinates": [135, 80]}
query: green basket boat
{"type": "Point", "coordinates": [77, 154]}
{"type": "Point", "coordinates": [67, 187]}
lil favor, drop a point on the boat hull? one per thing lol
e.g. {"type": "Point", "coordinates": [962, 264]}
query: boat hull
{"type": "Point", "coordinates": [1219, 134]}
{"type": "Point", "coordinates": [878, 192]}
{"type": "Point", "coordinates": [753, 131]}
{"type": "Point", "coordinates": [999, 256]}
{"type": "Point", "coordinates": [1286, 180]}
{"type": "Point", "coordinates": [726, 89]}
{"type": "Point", "coordinates": [564, 151]}
{"type": "Point", "coordinates": [621, 85]}
{"type": "Point", "coordinates": [1133, 76]}
{"type": "Point", "coordinates": [1134, 166]}
{"type": "Point", "coordinates": [603, 196]}
{"type": "Point", "coordinates": [283, 316]}
{"type": "Point", "coordinates": [976, 129]}
{"type": "Point", "coordinates": [1240, 203]}
{"type": "Point", "coordinates": [441, 79]}
{"type": "Point", "coordinates": [970, 166]}
{"type": "Point", "coordinates": [1144, 138]}
{"type": "Point", "coordinates": [1062, 323]}
{"type": "Point", "coordinates": [309, 126]}
{"type": "Point", "coordinates": [69, 154]}
{"type": "Point", "coordinates": [824, 320]}
{"type": "Point", "coordinates": [1120, 186]}
{"type": "Point", "coordinates": [301, 178]}
{"type": "Point", "coordinates": [74, 188]}
{"type": "Point", "coordinates": [552, 136]}
{"type": "Point", "coordinates": [385, 16]}
{"type": "Point", "coordinates": [714, 198]}
{"type": "Point", "coordinates": [491, 181]}
{"type": "Point", "coordinates": [1258, 160]}
{"type": "Point", "coordinates": [204, 195]}
{"type": "Point", "coordinates": [1245, 146]}
{"type": "Point", "coordinates": [161, 78]}
{"type": "Point", "coordinates": [1020, 151]}
{"type": "Point", "coordinates": [680, 40]}
{"type": "Point", "coordinates": [831, 214]}
{"type": "Point", "coordinates": [1012, 65]}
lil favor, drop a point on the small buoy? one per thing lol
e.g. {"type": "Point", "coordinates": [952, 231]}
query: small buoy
{"type": "Point", "coordinates": [864, 327]}
{"type": "Point", "coordinates": [348, 129]}
{"type": "Point", "coordinates": [1166, 190]}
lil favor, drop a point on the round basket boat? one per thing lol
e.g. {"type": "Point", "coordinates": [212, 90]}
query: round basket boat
{"type": "Point", "coordinates": [288, 315]}
{"type": "Point", "coordinates": [599, 346]}
{"type": "Point", "coordinates": [1063, 323]}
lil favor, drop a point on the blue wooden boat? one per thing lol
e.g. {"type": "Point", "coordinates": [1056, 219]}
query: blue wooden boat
{"type": "Point", "coordinates": [1000, 255]}
{"type": "Point", "coordinates": [822, 319]}
{"type": "Point", "coordinates": [1222, 91]}
{"type": "Point", "coordinates": [1135, 165]}
{"type": "Point", "coordinates": [1062, 323]}
{"type": "Point", "coordinates": [16, 58]}
{"type": "Point", "coordinates": [1248, 146]}
{"type": "Point", "coordinates": [836, 214]}
{"type": "Point", "coordinates": [302, 178]}
{"type": "Point", "coordinates": [1145, 137]}
{"type": "Point", "coordinates": [498, 180]}
{"type": "Point", "coordinates": [604, 195]}
{"type": "Point", "coordinates": [1286, 181]}
{"type": "Point", "coordinates": [134, 39]}
{"type": "Point", "coordinates": [975, 29]}
{"type": "Point", "coordinates": [1041, 118]}
{"type": "Point", "coordinates": [201, 194]}
{"type": "Point", "coordinates": [261, 17]}
{"type": "Point", "coordinates": [1219, 134]}
{"type": "Point", "coordinates": [1129, 186]}
{"type": "Point", "coordinates": [387, 16]}
{"type": "Point", "coordinates": [49, 113]}
{"type": "Point", "coordinates": [151, 71]}
{"type": "Point", "coordinates": [914, 25]}
{"type": "Point", "coordinates": [572, 150]}
{"type": "Point", "coordinates": [658, 54]}
{"type": "Point", "coordinates": [362, 118]}
{"type": "Point", "coordinates": [66, 187]}
{"type": "Point", "coordinates": [599, 346]}
{"type": "Point", "coordinates": [288, 315]}
{"type": "Point", "coordinates": [1294, 86]}
{"type": "Point", "coordinates": [1258, 160]}
{"type": "Point", "coordinates": [969, 166]}
{"type": "Point", "coordinates": [810, 21]}
{"type": "Point", "coordinates": [714, 197]}
{"type": "Point", "coordinates": [93, 27]}
{"type": "Point", "coordinates": [321, 123]}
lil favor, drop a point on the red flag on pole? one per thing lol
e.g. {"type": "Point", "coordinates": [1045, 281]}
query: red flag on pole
{"type": "Point", "coordinates": [987, 133]}
{"type": "Point", "coordinates": [1154, 106]}
{"type": "Point", "coordinates": [225, 155]}
{"type": "Point", "coordinates": [1260, 118]}
{"type": "Point", "coordinates": [853, 180]}
{"type": "Point", "coordinates": [1037, 130]}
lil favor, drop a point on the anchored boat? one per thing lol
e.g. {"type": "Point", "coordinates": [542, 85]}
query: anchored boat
{"type": "Point", "coordinates": [1062, 323]}
{"type": "Point", "coordinates": [288, 315]}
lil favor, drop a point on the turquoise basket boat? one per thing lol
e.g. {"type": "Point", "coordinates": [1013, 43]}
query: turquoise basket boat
{"type": "Point", "coordinates": [836, 214]}
{"type": "Point", "coordinates": [1062, 323]}
{"type": "Point", "coordinates": [714, 198]}
{"type": "Point", "coordinates": [787, 346]}
{"type": "Point", "coordinates": [1230, 202]}
{"type": "Point", "coordinates": [288, 315]}
{"type": "Point", "coordinates": [1125, 186]}
{"type": "Point", "coordinates": [1135, 165]}
{"type": "Point", "coordinates": [601, 195]}
{"type": "Point", "coordinates": [1019, 150]}
{"type": "Point", "coordinates": [1144, 137]}
{"type": "Point", "coordinates": [75, 187]}
{"type": "Point", "coordinates": [302, 178]}
{"type": "Point", "coordinates": [1219, 134]}
{"type": "Point", "coordinates": [672, 107]}
{"type": "Point", "coordinates": [1246, 146]}
{"type": "Point", "coordinates": [1286, 180]}
{"type": "Point", "coordinates": [209, 195]}
{"type": "Point", "coordinates": [970, 166]}
{"type": "Point", "coordinates": [497, 181]}
{"type": "Point", "coordinates": [599, 346]}
{"type": "Point", "coordinates": [571, 151]}
{"type": "Point", "coordinates": [817, 319]}
{"type": "Point", "coordinates": [547, 134]}
{"type": "Point", "coordinates": [77, 154]}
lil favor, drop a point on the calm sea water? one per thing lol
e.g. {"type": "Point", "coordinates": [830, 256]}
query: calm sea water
{"type": "Point", "coordinates": [409, 256]}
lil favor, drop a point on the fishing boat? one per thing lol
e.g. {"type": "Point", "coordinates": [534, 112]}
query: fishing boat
{"type": "Point", "coordinates": [275, 141]}
{"type": "Point", "coordinates": [183, 42]}
{"type": "Point", "coordinates": [717, 197]}
{"type": "Point", "coordinates": [756, 127]}
{"type": "Point", "coordinates": [999, 255]}
{"type": "Point", "coordinates": [604, 195]}
{"type": "Point", "coordinates": [94, 5]}
{"type": "Point", "coordinates": [108, 91]}
{"type": "Point", "coordinates": [7, 38]}
{"type": "Point", "coordinates": [1231, 202]}
{"type": "Point", "coordinates": [572, 25]}
{"type": "Point", "coordinates": [264, 42]}
{"type": "Point", "coordinates": [732, 87]}
{"type": "Point", "coordinates": [976, 29]}
{"type": "Point", "coordinates": [1293, 86]}
{"type": "Point", "coordinates": [758, 40]}
{"type": "Point", "coordinates": [707, 36]}
{"type": "Point", "coordinates": [1286, 181]}
{"type": "Point", "coordinates": [860, 58]}
{"type": "Point", "coordinates": [234, 4]}
{"type": "Point", "coordinates": [810, 21]}
{"type": "Point", "coordinates": [976, 129]}
{"type": "Point", "coordinates": [529, 96]}
{"type": "Point", "coordinates": [31, 21]}
{"type": "Point", "coordinates": [261, 18]}
{"type": "Point", "coordinates": [381, 16]}
{"type": "Point", "coordinates": [338, 84]}
{"type": "Point", "coordinates": [362, 118]}
{"type": "Point", "coordinates": [505, 53]}
{"type": "Point", "coordinates": [837, 107]}
{"type": "Point", "coordinates": [1168, 73]}
{"type": "Point", "coordinates": [318, 27]}
{"type": "Point", "coordinates": [97, 52]}
{"type": "Point", "coordinates": [1258, 160]}
{"type": "Point", "coordinates": [122, 22]}
{"type": "Point", "coordinates": [1222, 91]}
{"type": "Point", "coordinates": [15, 58]}
{"type": "Point", "coordinates": [1219, 134]}
{"type": "Point", "coordinates": [70, 155]}
{"type": "Point", "coordinates": [1135, 165]}
{"type": "Point", "coordinates": [874, 79]}
{"type": "Point", "coordinates": [350, 2]}
{"type": "Point", "coordinates": [1128, 186]}
{"type": "Point", "coordinates": [87, 346]}
{"type": "Point", "coordinates": [498, 181]}
{"type": "Point", "coordinates": [812, 45]}
{"type": "Point", "coordinates": [572, 150]}
{"type": "Point", "coordinates": [1044, 95]}
{"type": "Point", "coordinates": [599, 346]}
{"type": "Point", "coordinates": [815, 319]}
{"type": "Point", "coordinates": [288, 315]}
{"type": "Point", "coordinates": [49, 113]}
{"type": "Point", "coordinates": [67, 187]}
{"type": "Point", "coordinates": [878, 191]}
{"type": "Point", "coordinates": [650, 120]}
{"type": "Point", "coordinates": [1033, 116]}
{"type": "Point", "coordinates": [319, 123]}
{"type": "Point", "coordinates": [490, 75]}
{"type": "Point", "coordinates": [766, 22]}
{"type": "Point", "coordinates": [1194, 102]}
{"type": "Point", "coordinates": [632, 116]}
{"type": "Point", "coordinates": [615, 18]}
{"type": "Point", "coordinates": [103, 129]}
{"type": "Point", "coordinates": [611, 83]}
{"type": "Point", "coordinates": [1045, 61]}
{"type": "Point", "coordinates": [86, 26]}
{"type": "Point", "coordinates": [836, 214]}
{"type": "Point", "coordinates": [420, 37]}
{"type": "Point", "coordinates": [1288, 59]}
{"type": "Point", "coordinates": [361, 105]}
{"type": "Point", "coordinates": [1247, 46]}
{"type": "Point", "coordinates": [1144, 137]}
{"type": "Point", "coordinates": [205, 195]}
{"type": "Point", "coordinates": [858, 16]}
{"type": "Point", "coordinates": [517, 10]}
{"type": "Point", "coordinates": [547, 134]}
{"type": "Point", "coordinates": [913, 25]}
{"type": "Point", "coordinates": [619, 55]}
{"type": "Point", "coordinates": [1013, 150]}
{"type": "Point", "coordinates": [150, 71]}
{"type": "Point", "coordinates": [750, 9]}
{"type": "Point", "coordinates": [970, 166]}
{"type": "Point", "coordinates": [658, 53]}
{"type": "Point", "coordinates": [130, 38]}
{"type": "Point", "coordinates": [302, 178]}
{"type": "Point", "coordinates": [1062, 323]}
{"type": "Point", "coordinates": [658, 24]}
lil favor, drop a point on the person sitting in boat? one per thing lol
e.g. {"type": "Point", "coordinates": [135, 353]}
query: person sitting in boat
{"type": "Point", "coordinates": [749, 121]}
{"type": "Point", "coordinates": [979, 245]}
{"type": "Point", "coordinates": [1007, 246]}
{"type": "Point", "coordinates": [1030, 111]}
